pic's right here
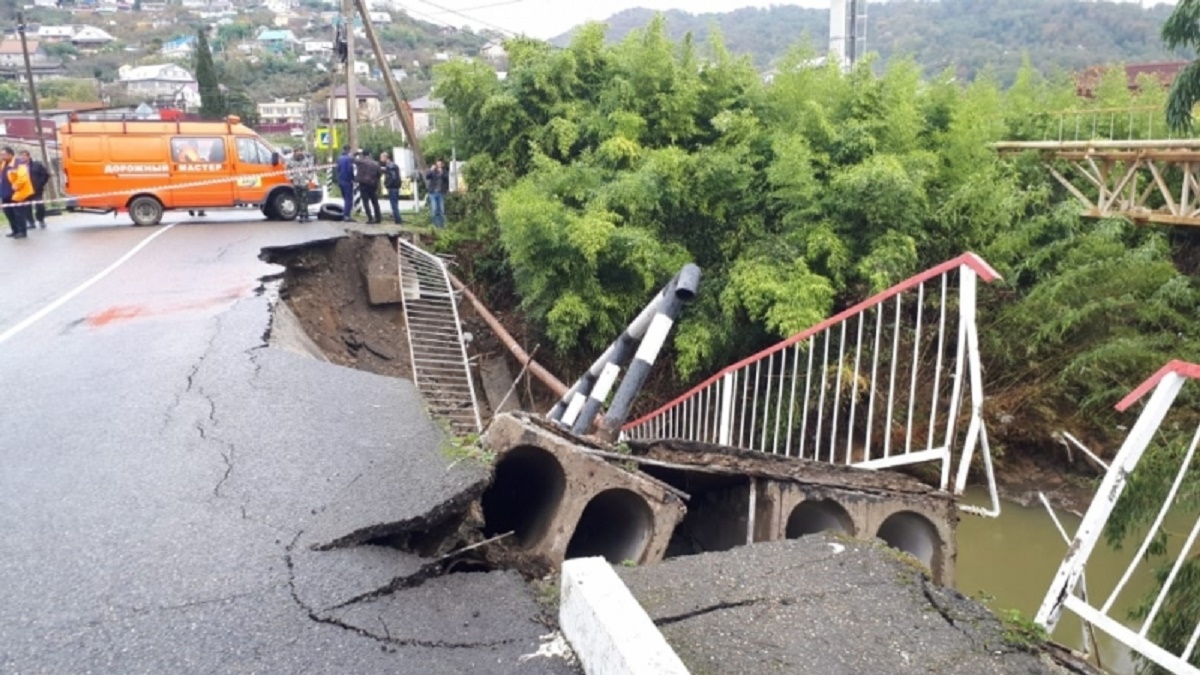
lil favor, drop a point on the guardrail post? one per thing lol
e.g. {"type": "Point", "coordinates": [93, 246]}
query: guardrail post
{"type": "Point", "coordinates": [725, 426]}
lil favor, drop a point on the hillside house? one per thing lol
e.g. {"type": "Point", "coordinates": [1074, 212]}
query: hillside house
{"type": "Point", "coordinates": [90, 37]}
{"type": "Point", "coordinates": [180, 47]}
{"type": "Point", "coordinates": [11, 54]}
{"type": "Point", "coordinates": [1165, 72]}
{"type": "Point", "coordinates": [318, 47]}
{"type": "Point", "coordinates": [161, 82]}
{"type": "Point", "coordinates": [281, 111]}
{"type": "Point", "coordinates": [425, 111]}
{"type": "Point", "coordinates": [278, 41]}
{"type": "Point", "coordinates": [51, 34]}
{"type": "Point", "coordinates": [379, 18]}
{"type": "Point", "coordinates": [370, 106]}
{"type": "Point", "coordinates": [493, 50]}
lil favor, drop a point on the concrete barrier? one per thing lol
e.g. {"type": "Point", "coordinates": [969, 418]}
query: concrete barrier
{"type": "Point", "coordinates": [609, 631]}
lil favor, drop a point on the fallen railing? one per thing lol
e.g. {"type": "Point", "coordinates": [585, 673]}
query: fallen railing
{"type": "Point", "coordinates": [1066, 591]}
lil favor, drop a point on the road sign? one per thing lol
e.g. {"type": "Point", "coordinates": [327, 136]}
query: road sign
{"type": "Point", "coordinates": [326, 138]}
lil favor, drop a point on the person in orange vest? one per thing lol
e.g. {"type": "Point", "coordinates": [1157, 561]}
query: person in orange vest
{"type": "Point", "coordinates": [15, 188]}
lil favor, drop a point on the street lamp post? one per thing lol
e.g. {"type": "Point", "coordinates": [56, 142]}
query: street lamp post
{"type": "Point", "coordinates": [33, 99]}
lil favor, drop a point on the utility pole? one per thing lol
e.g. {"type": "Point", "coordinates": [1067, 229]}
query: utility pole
{"type": "Point", "coordinates": [37, 112]}
{"type": "Point", "coordinates": [402, 110]}
{"type": "Point", "coordinates": [351, 94]}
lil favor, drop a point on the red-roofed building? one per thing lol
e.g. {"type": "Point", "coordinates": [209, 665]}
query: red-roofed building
{"type": "Point", "coordinates": [1165, 72]}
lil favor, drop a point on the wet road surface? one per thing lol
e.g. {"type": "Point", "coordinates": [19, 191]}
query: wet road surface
{"type": "Point", "coordinates": [160, 468]}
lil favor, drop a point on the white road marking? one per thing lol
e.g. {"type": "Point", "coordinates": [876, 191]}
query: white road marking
{"type": "Point", "coordinates": [43, 312]}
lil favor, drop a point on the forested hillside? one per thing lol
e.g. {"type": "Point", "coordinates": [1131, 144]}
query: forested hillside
{"type": "Point", "coordinates": [966, 35]}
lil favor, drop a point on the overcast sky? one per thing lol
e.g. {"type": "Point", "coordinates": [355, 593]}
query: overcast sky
{"type": "Point", "coordinates": [549, 18]}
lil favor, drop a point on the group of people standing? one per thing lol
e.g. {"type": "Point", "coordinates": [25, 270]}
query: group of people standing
{"type": "Point", "coordinates": [22, 183]}
{"type": "Point", "coordinates": [361, 170]}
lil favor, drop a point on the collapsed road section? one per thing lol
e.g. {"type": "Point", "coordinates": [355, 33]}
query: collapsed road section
{"type": "Point", "coordinates": [540, 495]}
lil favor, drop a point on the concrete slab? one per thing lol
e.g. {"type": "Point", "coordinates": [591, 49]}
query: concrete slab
{"type": "Point", "coordinates": [287, 334]}
{"type": "Point", "coordinates": [820, 604]}
{"type": "Point", "coordinates": [381, 270]}
{"type": "Point", "coordinates": [497, 380]}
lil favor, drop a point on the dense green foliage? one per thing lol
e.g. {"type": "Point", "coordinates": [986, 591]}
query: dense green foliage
{"type": "Point", "coordinates": [968, 36]}
{"type": "Point", "coordinates": [597, 169]}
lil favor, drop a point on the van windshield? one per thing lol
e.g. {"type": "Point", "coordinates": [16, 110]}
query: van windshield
{"type": "Point", "coordinates": [253, 151]}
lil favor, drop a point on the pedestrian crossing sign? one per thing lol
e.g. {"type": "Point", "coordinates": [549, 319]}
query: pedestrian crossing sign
{"type": "Point", "coordinates": [326, 138]}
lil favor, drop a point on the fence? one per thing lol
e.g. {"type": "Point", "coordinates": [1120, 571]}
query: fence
{"type": "Point", "coordinates": [880, 385]}
{"type": "Point", "coordinates": [441, 370]}
{"type": "Point", "coordinates": [1065, 591]}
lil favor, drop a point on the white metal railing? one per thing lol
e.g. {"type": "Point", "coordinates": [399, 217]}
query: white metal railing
{"type": "Point", "coordinates": [441, 369]}
{"type": "Point", "coordinates": [879, 385]}
{"type": "Point", "coordinates": [1064, 590]}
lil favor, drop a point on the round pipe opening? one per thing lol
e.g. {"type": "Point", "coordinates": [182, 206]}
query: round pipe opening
{"type": "Point", "coordinates": [819, 515]}
{"type": "Point", "coordinates": [912, 533]}
{"type": "Point", "coordinates": [616, 524]}
{"type": "Point", "coordinates": [524, 496]}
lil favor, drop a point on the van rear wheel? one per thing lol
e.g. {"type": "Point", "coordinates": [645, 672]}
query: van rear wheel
{"type": "Point", "coordinates": [145, 211]}
{"type": "Point", "coordinates": [283, 205]}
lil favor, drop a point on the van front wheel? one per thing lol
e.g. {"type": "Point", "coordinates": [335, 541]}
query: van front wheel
{"type": "Point", "coordinates": [145, 211]}
{"type": "Point", "coordinates": [283, 206]}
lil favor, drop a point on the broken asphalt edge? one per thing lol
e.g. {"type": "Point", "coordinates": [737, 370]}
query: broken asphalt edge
{"type": "Point", "coordinates": [608, 630]}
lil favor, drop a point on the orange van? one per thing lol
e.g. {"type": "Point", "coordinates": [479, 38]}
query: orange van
{"type": "Point", "coordinates": [131, 165]}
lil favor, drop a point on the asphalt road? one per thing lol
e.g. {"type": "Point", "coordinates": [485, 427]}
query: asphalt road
{"type": "Point", "coordinates": [167, 480]}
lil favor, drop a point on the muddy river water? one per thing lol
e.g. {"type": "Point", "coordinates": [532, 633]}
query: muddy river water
{"type": "Point", "coordinates": [1009, 563]}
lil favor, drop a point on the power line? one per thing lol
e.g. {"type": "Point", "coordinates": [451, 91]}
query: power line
{"type": "Point", "coordinates": [472, 19]}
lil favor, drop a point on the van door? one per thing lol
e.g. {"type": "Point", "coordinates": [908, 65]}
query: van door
{"type": "Point", "coordinates": [200, 165]}
{"type": "Point", "coordinates": [254, 160]}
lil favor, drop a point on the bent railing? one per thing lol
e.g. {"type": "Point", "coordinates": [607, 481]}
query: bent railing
{"type": "Point", "coordinates": [1176, 652]}
{"type": "Point", "coordinates": [441, 369]}
{"type": "Point", "coordinates": [879, 385]}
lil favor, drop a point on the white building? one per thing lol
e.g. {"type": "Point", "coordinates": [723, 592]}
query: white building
{"type": "Point", "coordinates": [281, 111]}
{"type": "Point", "coordinates": [163, 81]}
{"type": "Point", "coordinates": [494, 50]}
{"type": "Point", "coordinates": [424, 114]}
{"type": "Point", "coordinates": [90, 37]}
{"type": "Point", "coordinates": [318, 46]}
{"type": "Point", "coordinates": [380, 17]}
{"type": "Point", "coordinates": [55, 33]}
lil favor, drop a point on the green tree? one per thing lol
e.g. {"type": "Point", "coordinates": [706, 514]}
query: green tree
{"type": "Point", "coordinates": [212, 99]}
{"type": "Point", "coordinates": [1182, 29]}
{"type": "Point", "coordinates": [10, 96]}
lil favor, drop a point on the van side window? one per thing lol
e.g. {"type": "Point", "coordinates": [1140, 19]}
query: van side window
{"type": "Point", "coordinates": [251, 152]}
{"type": "Point", "coordinates": [197, 149]}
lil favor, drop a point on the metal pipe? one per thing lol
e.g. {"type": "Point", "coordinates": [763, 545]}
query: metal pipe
{"type": "Point", "coordinates": [544, 376]}
{"type": "Point", "coordinates": [656, 335]}
{"type": "Point", "coordinates": [618, 352]}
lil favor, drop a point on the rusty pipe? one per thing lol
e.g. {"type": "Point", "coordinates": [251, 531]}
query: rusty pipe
{"type": "Point", "coordinates": [536, 369]}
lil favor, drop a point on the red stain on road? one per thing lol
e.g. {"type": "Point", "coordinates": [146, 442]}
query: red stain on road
{"type": "Point", "coordinates": [126, 312]}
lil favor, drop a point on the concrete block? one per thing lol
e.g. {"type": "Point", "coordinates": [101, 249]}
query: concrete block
{"type": "Point", "coordinates": [381, 269]}
{"type": "Point", "coordinates": [609, 631]}
{"type": "Point", "coordinates": [563, 503]}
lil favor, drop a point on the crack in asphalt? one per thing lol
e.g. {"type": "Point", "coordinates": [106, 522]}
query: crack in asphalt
{"type": "Point", "coordinates": [387, 639]}
{"type": "Point", "coordinates": [667, 621]}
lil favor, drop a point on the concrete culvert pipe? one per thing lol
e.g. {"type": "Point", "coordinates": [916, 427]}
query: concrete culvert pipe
{"type": "Point", "coordinates": [616, 524]}
{"type": "Point", "coordinates": [819, 515]}
{"type": "Point", "coordinates": [524, 495]}
{"type": "Point", "coordinates": [912, 533]}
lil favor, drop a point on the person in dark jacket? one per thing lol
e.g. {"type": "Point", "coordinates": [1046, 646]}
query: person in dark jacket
{"type": "Point", "coordinates": [345, 181]}
{"type": "Point", "coordinates": [437, 183]}
{"type": "Point", "coordinates": [40, 177]}
{"type": "Point", "coordinates": [12, 177]}
{"type": "Point", "coordinates": [391, 182]}
{"type": "Point", "coordinates": [366, 174]}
